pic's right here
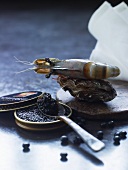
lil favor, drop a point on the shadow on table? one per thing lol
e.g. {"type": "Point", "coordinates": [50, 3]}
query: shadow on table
{"type": "Point", "coordinates": [7, 123]}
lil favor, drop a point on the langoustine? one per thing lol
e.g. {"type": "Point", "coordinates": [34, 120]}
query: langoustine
{"type": "Point", "coordinates": [75, 68]}
{"type": "Point", "coordinates": [84, 79]}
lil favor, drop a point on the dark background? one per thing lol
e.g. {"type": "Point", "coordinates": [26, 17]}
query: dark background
{"type": "Point", "coordinates": [39, 4]}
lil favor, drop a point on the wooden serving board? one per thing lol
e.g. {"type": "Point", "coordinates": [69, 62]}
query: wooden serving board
{"type": "Point", "coordinates": [115, 109]}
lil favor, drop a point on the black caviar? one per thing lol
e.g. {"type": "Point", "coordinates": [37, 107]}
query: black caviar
{"type": "Point", "coordinates": [100, 134]}
{"type": "Point", "coordinates": [26, 147]}
{"type": "Point", "coordinates": [116, 140]}
{"type": "Point", "coordinates": [63, 157]}
{"type": "Point", "coordinates": [47, 105]}
{"type": "Point", "coordinates": [117, 134]}
{"type": "Point", "coordinates": [34, 114]}
{"type": "Point", "coordinates": [77, 140]}
{"type": "Point", "coordinates": [121, 134]}
{"type": "Point", "coordinates": [64, 140]}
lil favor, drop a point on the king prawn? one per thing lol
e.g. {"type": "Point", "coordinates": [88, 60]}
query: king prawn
{"type": "Point", "coordinates": [84, 79]}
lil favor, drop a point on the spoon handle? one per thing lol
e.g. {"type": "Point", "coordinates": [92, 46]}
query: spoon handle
{"type": "Point", "coordinates": [91, 141]}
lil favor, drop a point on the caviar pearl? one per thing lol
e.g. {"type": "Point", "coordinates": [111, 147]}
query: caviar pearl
{"type": "Point", "coordinates": [117, 134]}
{"type": "Point", "coordinates": [26, 147]}
{"type": "Point", "coordinates": [100, 135]}
{"type": "Point", "coordinates": [64, 140]}
{"type": "Point", "coordinates": [77, 140]}
{"type": "Point", "coordinates": [123, 134]}
{"type": "Point", "coordinates": [116, 140]}
{"type": "Point", "coordinates": [63, 157]}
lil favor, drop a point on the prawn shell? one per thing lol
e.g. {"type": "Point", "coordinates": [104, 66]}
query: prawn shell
{"type": "Point", "coordinates": [93, 70]}
{"type": "Point", "coordinates": [39, 61]}
{"type": "Point", "coordinates": [42, 71]}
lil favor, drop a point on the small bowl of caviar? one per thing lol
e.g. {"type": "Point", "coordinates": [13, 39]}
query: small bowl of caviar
{"type": "Point", "coordinates": [34, 117]}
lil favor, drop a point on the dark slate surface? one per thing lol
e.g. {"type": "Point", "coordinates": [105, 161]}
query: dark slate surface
{"type": "Point", "coordinates": [33, 34]}
{"type": "Point", "coordinates": [58, 33]}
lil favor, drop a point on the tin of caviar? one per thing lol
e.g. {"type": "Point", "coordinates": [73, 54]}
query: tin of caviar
{"type": "Point", "coordinates": [30, 118]}
{"type": "Point", "coordinates": [18, 100]}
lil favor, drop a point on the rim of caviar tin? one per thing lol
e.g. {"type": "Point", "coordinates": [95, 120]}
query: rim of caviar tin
{"type": "Point", "coordinates": [30, 125]}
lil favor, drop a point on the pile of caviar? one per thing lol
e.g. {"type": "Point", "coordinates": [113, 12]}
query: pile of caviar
{"type": "Point", "coordinates": [47, 105]}
{"type": "Point", "coordinates": [36, 113]}
{"type": "Point", "coordinates": [33, 114]}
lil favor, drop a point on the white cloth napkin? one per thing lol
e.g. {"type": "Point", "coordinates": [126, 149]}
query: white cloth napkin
{"type": "Point", "coordinates": [109, 25]}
